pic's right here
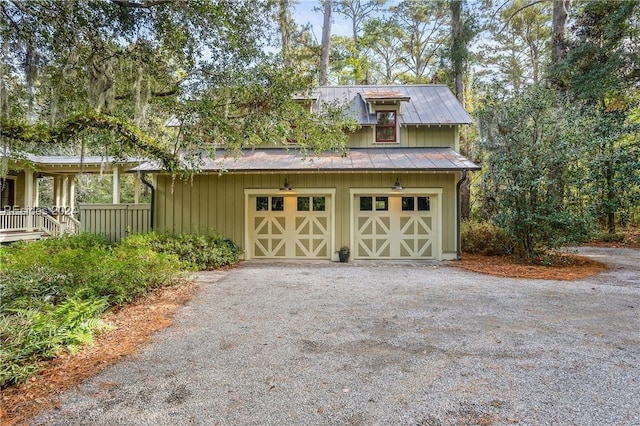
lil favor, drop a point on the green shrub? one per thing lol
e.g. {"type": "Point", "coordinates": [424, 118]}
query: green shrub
{"type": "Point", "coordinates": [31, 287]}
{"type": "Point", "coordinates": [53, 291]}
{"type": "Point", "coordinates": [607, 237]}
{"type": "Point", "coordinates": [130, 272]}
{"type": "Point", "coordinates": [30, 335]}
{"type": "Point", "coordinates": [51, 251]}
{"type": "Point", "coordinates": [199, 251]}
{"type": "Point", "coordinates": [484, 238]}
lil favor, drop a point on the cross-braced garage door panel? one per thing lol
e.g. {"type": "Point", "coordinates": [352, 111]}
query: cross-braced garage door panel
{"type": "Point", "coordinates": [416, 236]}
{"type": "Point", "coordinates": [394, 227]}
{"type": "Point", "coordinates": [269, 236]}
{"type": "Point", "coordinates": [288, 226]}
{"type": "Point", "coordinates": [312, 236]}
{"type": "Point", "coordinates": [374, 236]}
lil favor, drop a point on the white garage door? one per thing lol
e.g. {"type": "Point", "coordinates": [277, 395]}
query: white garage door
{"type": "Point", "coordinates": [395, 226]}
{"type": "Point", "coordinates": [290, 226]}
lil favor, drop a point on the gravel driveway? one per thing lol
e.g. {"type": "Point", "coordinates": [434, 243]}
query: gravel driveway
{"type": "Point", "coordinates": [382, 344]}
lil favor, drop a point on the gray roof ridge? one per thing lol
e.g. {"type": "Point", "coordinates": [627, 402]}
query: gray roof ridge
{"type": "Point", "coordinates": [383, 85]}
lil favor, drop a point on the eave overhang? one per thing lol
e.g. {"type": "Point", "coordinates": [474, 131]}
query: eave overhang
{"type": "Point", "coordinates": [355, 160]}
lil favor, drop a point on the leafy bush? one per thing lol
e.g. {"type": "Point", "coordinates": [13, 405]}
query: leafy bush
{"type": "Point", "coordinates": [130, 272]}
{"type": "Point", "coordinates": [526, 170]}
{"type": "Point", "coordinates": [484, 238]}
{"type": "Point", "coordinates": [199, 251]}
{"type": "Point", "coordinates": [24, 254]}
{"type": "Point", "coordinates": [53, 291]}
{"type": "Point", "coordinates": [30, 335]}
{"type": "Point", "coordinates": [607, 237]}
{"type": "Point", "coordinates": [30, 287]}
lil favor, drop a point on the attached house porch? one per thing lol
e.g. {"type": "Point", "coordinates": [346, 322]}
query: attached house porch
{"type": "Point", "coordinates": [23, 215]}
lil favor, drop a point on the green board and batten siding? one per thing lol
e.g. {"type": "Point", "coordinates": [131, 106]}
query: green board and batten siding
{"type": "Point", "coordinates": [213, 201]}
{"type": "Point", "coordinates": [428, 116]}
{"type": "Point", "coordinates": [410, 136]}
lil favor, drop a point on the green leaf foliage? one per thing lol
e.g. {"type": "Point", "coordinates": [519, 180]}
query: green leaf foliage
{"type": "Point", "coordinates": [201, 251]}
{"type": "Point", "coordinates": [53, 291]}
{"type": "Point", "coordinates": [531, 143]}
{"type": "Point", "coordinates": [600, 74]}
{"type": "Point", "coordinates": [104, 77]}
{"type": "Point", "coordinates": [485, 238]}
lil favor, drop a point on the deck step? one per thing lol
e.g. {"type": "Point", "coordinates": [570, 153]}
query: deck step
{"type": "Point", "coordinates": [12, 236]}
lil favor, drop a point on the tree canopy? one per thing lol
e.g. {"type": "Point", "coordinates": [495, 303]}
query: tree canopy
{"type": "Point", "coordinates": [205, 63]}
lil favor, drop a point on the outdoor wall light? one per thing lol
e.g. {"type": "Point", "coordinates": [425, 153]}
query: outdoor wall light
{"type": "Point", "coordinates": [286, 186]}
{"type": "Point", "coordinates": [397, 186]}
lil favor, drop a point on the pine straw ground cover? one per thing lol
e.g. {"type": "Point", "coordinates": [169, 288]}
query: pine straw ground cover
{"type": "Point", "coordinates": [564, 267]}
{"type": "Point", "coordinates": [131, 328]}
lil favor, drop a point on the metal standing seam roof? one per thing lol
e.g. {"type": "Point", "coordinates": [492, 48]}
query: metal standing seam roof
{"type": "Point", "coordinates": [67, 160]}
{"type": "Point", "coordinates": [428, 104]}
{"type": "Point", "coordinates": [366, 159]}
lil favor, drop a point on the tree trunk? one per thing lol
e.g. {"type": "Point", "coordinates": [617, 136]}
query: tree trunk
{"type": "Point", "coordinates": [4, 91]}
{"type": "Point", "coordinates": [326, 43]}
{"type": "Point", "coordinates": [558, 52]}
{"type": "Point", "coordinates": [457, 48]}
{"type": "Point", "coordinates": [285, 22]}
{"type": "Point", "coordinates": [559, 22]}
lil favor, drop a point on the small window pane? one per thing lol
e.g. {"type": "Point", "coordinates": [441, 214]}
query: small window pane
{"type": "Point", "coordinates": [382, 203]}
{"type": "Point", "coordinates": [386, 126]}
{"type": "Point", "coordinates": [318, 204]}
{"type": "Point", "coordinates": [408, 203]}
{"type": "Point", "coordinates": [277, 204]}
{"type": "Point", "coordinates": [385, 133]}
{"type": "Point", "coordinates": [366, 204]}
{"type": "Point", "coordinates": [303, 204]}
{"type": "Point", "coordinates": [387, 118]}
{"type": "Point", "coordinates": [424, 204]}
{"type": "Point", "coordinates": [262, 204]}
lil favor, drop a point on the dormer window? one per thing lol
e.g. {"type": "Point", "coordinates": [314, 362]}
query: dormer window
{"type": "Point", "coordinates": [383, 108]}
{"type": "Point", "coordinates": [386, 126]}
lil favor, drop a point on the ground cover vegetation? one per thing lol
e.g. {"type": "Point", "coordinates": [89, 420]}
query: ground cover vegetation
{"type": "Point", "coordinates": [53, 291]}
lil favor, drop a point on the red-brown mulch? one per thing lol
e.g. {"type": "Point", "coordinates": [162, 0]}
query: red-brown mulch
{"type": "Point", "coordinates": [565, 267]}
{"type": "Point", "coordinates": [131, 328]}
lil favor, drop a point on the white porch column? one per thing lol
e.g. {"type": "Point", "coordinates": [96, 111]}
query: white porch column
{"type": "Point", "coordinates": [136, 189]}
{"type": "Point", "coordinates": [28, 198]}
{"type": "Point", "coordinates": [57, 193]}
{"type": "Point", "coordinates": [65, 191]}
{"type": "Point", "coordinates": [116, 184]}
{"type": "Point", "coordinates": [36, 196]}
{"type": "Point", "coordinates": [28, 188]}
{"type": "Point", "coordinates": [72, 191]}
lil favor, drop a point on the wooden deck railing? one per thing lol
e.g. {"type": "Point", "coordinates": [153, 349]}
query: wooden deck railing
{"type": "Point", "coordinates": [49, 225]}
{"type": "Point", "coordinates": [11, 220]}
{"type": "Point", "coordinates": [71, 225]}
{"type": "Point", "coordinates": [37, 220]}
{"type": "Point", "coordinates": [114, 221]}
